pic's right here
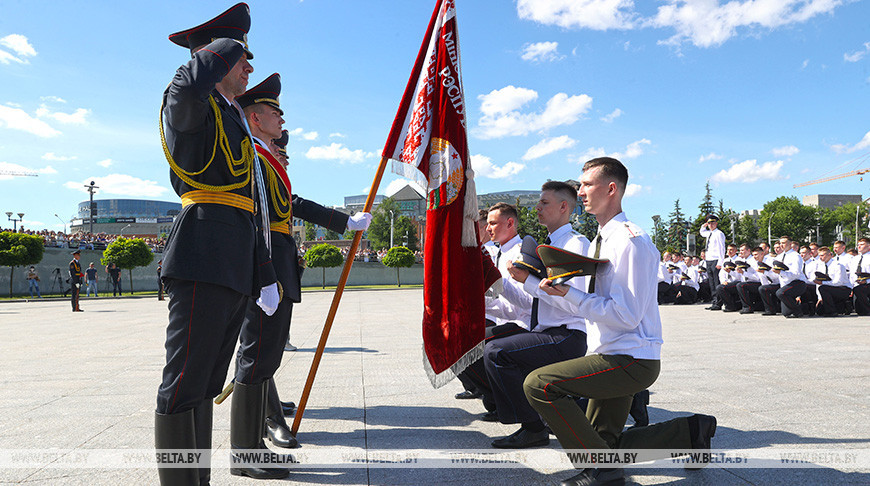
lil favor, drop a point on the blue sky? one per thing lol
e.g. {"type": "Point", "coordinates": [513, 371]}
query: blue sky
{"type": "Point", "coordinates": [753, 96]}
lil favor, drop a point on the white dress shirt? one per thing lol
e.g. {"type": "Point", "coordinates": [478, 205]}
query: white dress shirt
{"type": "Point", "coordinates": [795, 264]}
{"type": "Point", "coordinates": [501, 309]}
{"type": "Point", "coordinates": [858, 263]}
{"type": "Point", "coordinates": [554, 311]}
{"type": "Point", "coordinates": [837, 271]}
{"type": "Point", "coordinates": [715, 244]}
{"type": "Point", "coordinates": [622, 316]}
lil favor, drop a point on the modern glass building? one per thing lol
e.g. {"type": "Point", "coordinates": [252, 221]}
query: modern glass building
{"type": "Point", "coordinates": [129, 217]}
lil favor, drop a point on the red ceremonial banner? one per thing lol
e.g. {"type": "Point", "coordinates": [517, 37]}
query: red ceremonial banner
{"type": "Point", "coordinates": [428, 143]}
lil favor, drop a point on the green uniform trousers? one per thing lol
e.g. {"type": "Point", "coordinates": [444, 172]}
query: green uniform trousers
{"type": "Point", "coordinates": [609, 381]}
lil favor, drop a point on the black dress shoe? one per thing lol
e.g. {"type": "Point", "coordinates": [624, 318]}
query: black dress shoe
{"type": "Point", "coordinates": [280, 435]}
{"type": "Point", "coordinates": [468, 395]}
{"type": "Point", "coordinates": [746, 311]}
{"type": "Point", "coordinates": [596, 477]}
{"type": "Point", "coordinates": [490, 416]}
{"type": "Point", "coordinates": [714, 307]}
{"type": "Point", "coordinates": [288, 408]}
{"type": "Point", "coordinates": [793, 316]}
{"type": "Point", "coordinates": [702, 428]}
{"type": "Point", "coordinates": [768, 313]}
{"type": "Point", "coordinates": [729, 310]}
{"type": "Point", "coordinates": [523, 439]}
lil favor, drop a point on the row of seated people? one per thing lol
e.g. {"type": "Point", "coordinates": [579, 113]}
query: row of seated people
{"type": "Point", "coordinates": [794, 280]}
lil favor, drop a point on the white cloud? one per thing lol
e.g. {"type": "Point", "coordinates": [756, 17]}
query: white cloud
{"type": "Point", "coordinates": [786, 151]}
{"type": "Point", "coordinates": [749, 171]}
{"type": "Point", "coordinates": [120, 184]}
{"type": "Point", "coordinates": [632, 151]}
{"type": "Point", "coordinates": [805, 64]}
{"type": "Point", "coordinates": [613, 115]}
{"type": "Point", "coordinates": [397, 185]}
{"type": "Point", "coordinates": [18, 119]}
{"type": "Point", "coordinates": [703, 23]}
{"type": "Point", "coordinates": [18, 44]}
{"type": "Point", "coordinates": [75, 118]}
{"type": "Point", "coordinates": [588, 14]}
{"type": "Point", "coordinates": [710, 156]}
{"type": "Point", "coordinates": [47, 170]}
{"type": "Point", "coordinates": [299, 132]}
{"type": "Point", "coordinates": [52, 99]}
{"type": "Point", "coordinates": [483, 167]}
{"type": "Point", "coordinates": [846, 149]}
{"type": "Point", "coordinates": [500, 115]}
{"type": "Point", "coordinates": [541, 52]}
{"type": "Point", "coordinates": [105, 163]}
{"type": "Point", "coordinates": [857, 55]}
{"type": "Point", "coordinates": [634, 189]}
{"type": "Point", "coordinates": [9, 167]}
{"type": "Point", "coordinates": [53, 156]}
{"type": "Point", "coordinates": [337, 151]}
{"type": "Point", "coordinates": [548, 146]}
{"type": "Point", "coordinates": [337, 135]}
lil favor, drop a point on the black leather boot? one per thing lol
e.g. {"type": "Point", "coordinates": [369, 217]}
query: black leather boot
{"type": "Point", "coordinates": [247, 419]}
{"type": "Point", "coordinates": [638, 410]}
{"type": "Point", "coordinates": [173, 432]}
{"type": "Point", "coordinates": [202, 422]}
{"type": "Point", "coordinates": [276, 427]}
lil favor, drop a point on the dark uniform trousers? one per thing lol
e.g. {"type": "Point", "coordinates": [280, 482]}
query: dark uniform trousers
{"type": "Point", "coordinates": [713, 279]}
{"type": "Point", "coordinates": [788, 297]}
{"type": "Point", "coordinates": [862, 299]}
{"type": "Point", "coordinates": [508, 360]}
{"type": "Point", "coordinates": [750, 298]}
{"type": "Point", "coordinates": [769, 297]}
{"type": "Point", "coordinates": [475, 374]}
{"type": "Point", "coordinates": [685, 295]}
{"type": "Point", "coordinates": [834, 299]}
{"type": "Point", "coordinates": [728, 296]}
{"type": "Point", "coordinates": [666, 293]}
{"type": "Point", "coordinates": [609, 381]}
{"type": "Point", "coordinates": [704, 293]}
{"type": "Point", "coordinates": [261, 342]}
{"type": "Point", "coordinates": [204, 322]}
{"type": "Point", "coordinates": [809, 299]}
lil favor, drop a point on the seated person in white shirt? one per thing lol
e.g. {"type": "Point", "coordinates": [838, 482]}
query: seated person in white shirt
{"type": "Point", "coordinates": [747, 289]}
{"type": "Point", "coordinates": [557, 330]}
{"type": "Point", "coordinates": [859, 265]}
{"type": "Point", "coordinates": [835, 291]}
{"type": "Point", "coordinates": [727, 289]}
{"type": "Point", "coordinates": [704, 294]}
{"type": "Point", "coordinates": [687, 289]}
{"type": "Point", "coordinates": [791, 286]}
{"type": "Point", "coordinates": [809, 298]}
{"type": "Point", "coordinates": [504, 317]}
{"type": "Point", "coordinates": [665, 287]}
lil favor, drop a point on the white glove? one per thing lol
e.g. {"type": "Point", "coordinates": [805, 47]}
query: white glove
{"type": "Point", "coordinates": [269, 299]}
{"type": "Point", "coordinates": [359, 221]}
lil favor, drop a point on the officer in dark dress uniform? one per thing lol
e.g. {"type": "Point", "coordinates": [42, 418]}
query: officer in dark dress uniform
{"type": "Point", "coordinates": [75, 279]}
{"type": "Point", "coordinates": [216, 259]}
{"type": "Point", "coordinates": [263, 336]}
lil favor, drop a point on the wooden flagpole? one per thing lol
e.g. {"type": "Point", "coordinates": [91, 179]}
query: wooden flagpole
{"type": "Point", "coordinates": [336, 298]}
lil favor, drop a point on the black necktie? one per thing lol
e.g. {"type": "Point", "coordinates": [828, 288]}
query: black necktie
{"type": "Point", "coordinates": [497, 257]}
{"type": "Point", "coordinates": [534, 320]}
{"type": "Point", "coordinates": [596, 255]}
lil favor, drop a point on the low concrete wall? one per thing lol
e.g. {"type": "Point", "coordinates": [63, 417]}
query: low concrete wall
{"type": "Point", "coordinates": [145, 278]}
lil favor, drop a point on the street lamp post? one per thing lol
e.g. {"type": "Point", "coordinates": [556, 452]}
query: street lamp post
{"type": "Point", "coordinates": [391, 228]}
{"type": "Point", "coordinates": [62, 222]}
{"type": "Point", "coordinates": [91, 188]}
{"type": "Point", "coordinates": [121, 233]}
{"type": "Point", "coordinates": [656, 218]}
{"type": "Point", "coordinates": [769, 238]}
{"type": "Point", "coordinates": [14, 221]}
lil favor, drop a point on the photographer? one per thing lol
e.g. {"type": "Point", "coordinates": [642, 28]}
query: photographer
{"type": "Point", "coordinates": [33, 280]}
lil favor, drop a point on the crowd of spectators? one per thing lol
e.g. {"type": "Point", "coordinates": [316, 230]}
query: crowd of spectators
{"type": "Point", "coordinates": [83, 240]}
{"type": "Point", "coordinates": [367, 255]}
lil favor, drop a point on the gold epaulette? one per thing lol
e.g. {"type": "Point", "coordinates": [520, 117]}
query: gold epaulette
{"type": "Point", "coordinates": [214, 197]}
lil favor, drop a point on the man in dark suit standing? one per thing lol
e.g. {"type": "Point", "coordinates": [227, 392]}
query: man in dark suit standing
{"type": "Point", "coordinates": [75, 279]}
{"type": "Point", "coordinates": [263, 336]}
{"type": "Point", "coordinates": [216, 259]}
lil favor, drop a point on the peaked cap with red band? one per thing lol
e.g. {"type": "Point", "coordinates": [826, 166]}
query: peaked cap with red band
{"type": "Point", "coordinates": [266, 92]}
{"type": "Point", "coordinates": [562, 265]}
{"type": "Point", "coordinates": [282, 141]}
{"type": "Point", "coordinates": [234, 24]}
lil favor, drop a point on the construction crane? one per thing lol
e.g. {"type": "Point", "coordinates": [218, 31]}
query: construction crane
{"type": "Point", "coordinates": [832, 178]}
{"type": "Point", "coordinates": [4, 172]}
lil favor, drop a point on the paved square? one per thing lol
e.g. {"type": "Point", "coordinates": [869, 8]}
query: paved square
{"type": "Point", "coordinates": [88, 381]}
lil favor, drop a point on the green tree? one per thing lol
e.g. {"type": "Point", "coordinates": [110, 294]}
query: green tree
{"type": "Point", "coordinates": [844, 216]}
{"type": "Point", "coordinates": [659, 235]}
{"type": "Point", "coordinates": [787, 216]}
{"type": "Point", "coordinates": [19, 249]}
{"type": "Point", "coordinates": [585, 224]}
{"type": "Point", "coordinates": [747, 231]}
{"type": "Point", "coordinates": [323, 255]}
{"type": "Point", "coordinates": [379, 229]}
{"type": "Point", "coordinates": [529, 225]}
{"type": "Point", "coordinates": [128, 253]}
{"type": "Point", "coordinates": [310, 231]}
{"type": "Point", "coordinates": [705, 209]}
{"type": "Point", "coordinates": [331, 235]}
{"type": "Point", "coordinates": [677, 228]}
{"type": "Point", "coordinates": [399, 256]}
